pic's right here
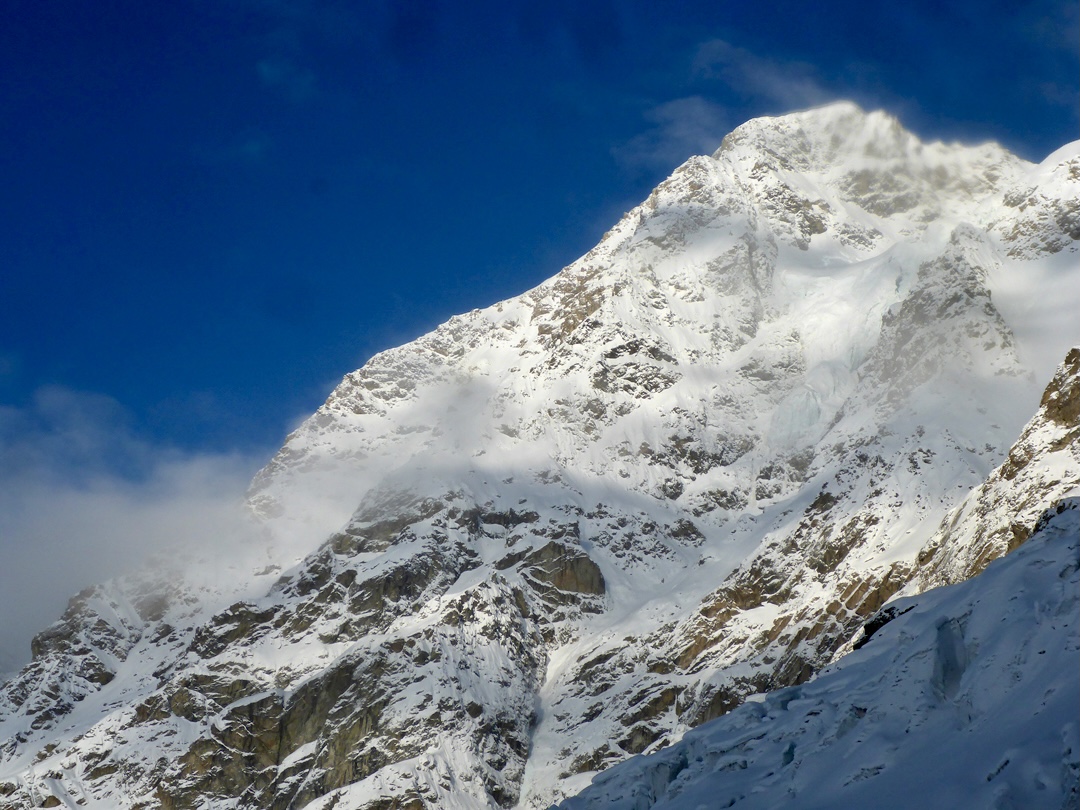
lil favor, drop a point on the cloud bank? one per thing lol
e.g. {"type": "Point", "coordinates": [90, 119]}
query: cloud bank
{"type": "Point", "coordinates": [83, 498]}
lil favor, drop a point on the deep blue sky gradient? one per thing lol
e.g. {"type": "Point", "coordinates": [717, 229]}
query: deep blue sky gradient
{"type": "Point", "coordinates": [210, 210]}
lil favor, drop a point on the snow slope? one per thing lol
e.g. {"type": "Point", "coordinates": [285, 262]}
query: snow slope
{"type": "Point", "coordinates": [565, 529]}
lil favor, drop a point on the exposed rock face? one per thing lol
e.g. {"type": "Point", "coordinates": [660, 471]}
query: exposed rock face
{"type": "Point", "coordinates": [562, 530]}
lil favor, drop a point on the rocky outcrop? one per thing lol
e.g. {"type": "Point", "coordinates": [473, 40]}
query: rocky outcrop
{"type": "Point", "coordinates": [1044, 211]}
{"type": "Point", "coordinates": [79, 654]}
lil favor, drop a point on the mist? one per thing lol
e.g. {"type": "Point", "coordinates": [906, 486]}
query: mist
{"type": "Point", "coordinates": [84, 498]}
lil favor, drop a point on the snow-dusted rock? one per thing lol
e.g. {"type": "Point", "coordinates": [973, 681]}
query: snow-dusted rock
{"type": "Point", "coordinates": [967, 698]}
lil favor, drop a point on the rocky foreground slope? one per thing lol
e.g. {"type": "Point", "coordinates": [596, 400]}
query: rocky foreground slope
{"type": "Point", "coordinates": [966, 698]}
{"type": "Point", "coordinates": [565, 529]}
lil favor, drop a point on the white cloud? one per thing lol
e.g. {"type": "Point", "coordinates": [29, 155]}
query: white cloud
{"type": "Point", "coordinates": [1050, 24]}
{"type": "Point", "coordinates": [696, 124]}
{"type": "Point", "coordinates": [1059, 95]}
{"type": "Point", "coordinates": [681, 128]}
{"type": "Point", "coordinates": [83, 499]}
{"type": "Point", "coordinates": [251, 149]}
{"type": "Point", "coordinates": [788, 85]}
{"type": "Point", "coordinates": [9, 365]}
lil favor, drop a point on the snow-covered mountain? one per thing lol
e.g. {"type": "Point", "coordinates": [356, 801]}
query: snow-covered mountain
{"type": "Point", "coordinates": [565, 529]}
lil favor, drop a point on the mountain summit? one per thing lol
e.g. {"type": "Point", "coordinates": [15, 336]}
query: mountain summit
{"type": "Point", "coordinates": [565, 529]}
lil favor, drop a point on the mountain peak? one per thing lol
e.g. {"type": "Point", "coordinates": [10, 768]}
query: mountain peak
{"type": "Point", "coordinates": [561, 530]}
{"type": "Point", "coordinates": [824, 135]}
{"type": "Point", "coordinates": [806, 167]}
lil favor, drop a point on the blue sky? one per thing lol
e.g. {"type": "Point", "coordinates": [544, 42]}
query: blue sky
{"type": "Point", "coordinates": [212, 210]}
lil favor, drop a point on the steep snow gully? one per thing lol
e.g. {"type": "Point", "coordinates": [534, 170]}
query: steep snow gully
{"type": "Point", "coordinates": [801, 400]}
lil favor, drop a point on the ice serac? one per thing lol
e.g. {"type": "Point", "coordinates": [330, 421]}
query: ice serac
{"type": "Point", "coordinates": [563, 530]}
